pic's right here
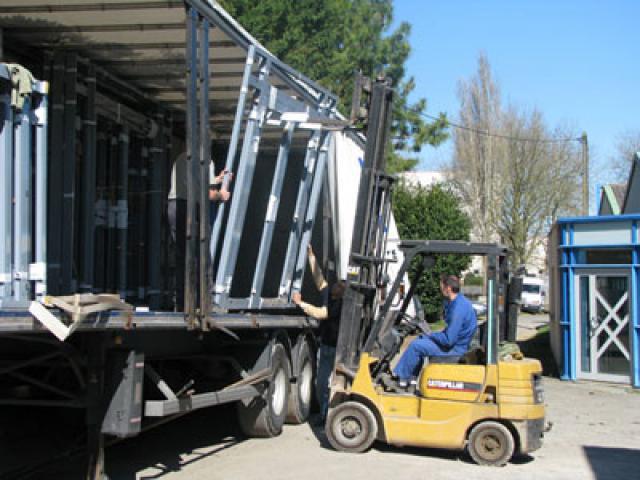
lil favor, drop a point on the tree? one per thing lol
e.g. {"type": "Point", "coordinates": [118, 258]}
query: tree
{"type": "Point", "coordinates": [627, 145]}
{"type": "Point", "coordinates": [431, 214]}
{"type": "Point", "coordinates": [330, 40]}
{"type": "Point", "coordinates": [515, 175]}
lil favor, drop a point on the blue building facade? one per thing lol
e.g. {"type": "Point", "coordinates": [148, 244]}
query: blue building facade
{"type": "Point", "coordinates": [594, 270]}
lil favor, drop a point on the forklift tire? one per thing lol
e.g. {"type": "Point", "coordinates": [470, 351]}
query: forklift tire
{"type": "Point", "coordinates": [301, 395]}
{"type": "Point", "coordinates": [491, 443]}
{"type": "Point", "coordinates": [265, 414]}
{"type": "Point", "coordinates": [351, 427]}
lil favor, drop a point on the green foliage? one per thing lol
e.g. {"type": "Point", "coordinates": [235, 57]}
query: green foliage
{"type": "Point", "coordinates": [330, 40]}
{"type": "Point", "coordinates": [471, 280]}
{"type": "Point", "coordinates": [431, 214]}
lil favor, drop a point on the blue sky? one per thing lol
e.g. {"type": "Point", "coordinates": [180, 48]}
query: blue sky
{"type": "Point", "coordinates": [576, 61]}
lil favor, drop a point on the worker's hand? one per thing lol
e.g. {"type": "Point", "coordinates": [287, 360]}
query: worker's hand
{"type": "Point", "coordinates": [310, 253]}
{"type": "Point", "coordinates": [296, 298]}
{"type": "Point", "coordinates": [220, 177]}
{"type": "Point", "coordinates": [223, 194]}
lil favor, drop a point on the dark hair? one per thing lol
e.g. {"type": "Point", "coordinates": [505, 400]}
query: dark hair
{"type": "Point", "coordinates": [451, 281]}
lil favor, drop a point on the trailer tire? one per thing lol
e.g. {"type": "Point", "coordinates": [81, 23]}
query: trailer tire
{"type": "Point", "coordinates": [301, 395]}
{"type": "Point", "coordinates": [351, 427]}
{"type": "Point", "coordinates": [491, 443]}
{"type": "Point", "coordinates": [265, 414]}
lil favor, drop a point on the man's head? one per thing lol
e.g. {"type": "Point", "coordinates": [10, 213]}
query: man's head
{"type": "Point", "coordinates": [337, 290]}
{"type": "Point", "coordinates": [449, 286]}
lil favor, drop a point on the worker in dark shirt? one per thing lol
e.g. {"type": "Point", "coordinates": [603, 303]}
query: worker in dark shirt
{"type": "Point", "coordinates": [453, 341]}
{"type": "Point", "coordinates": [329, 317]}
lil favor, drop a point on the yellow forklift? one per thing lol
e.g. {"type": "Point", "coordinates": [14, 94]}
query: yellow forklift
{"type": "Point", "coordinates": [489, 403]}
{"type": "Point", "coordinates": [492, 405]}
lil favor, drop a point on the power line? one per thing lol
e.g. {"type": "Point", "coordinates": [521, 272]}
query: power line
{"type": "Point", "coordinates": [497, 135]}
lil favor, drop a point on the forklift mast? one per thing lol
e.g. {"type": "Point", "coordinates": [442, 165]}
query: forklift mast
{"type": "Point", "coordinates": [366, 264]}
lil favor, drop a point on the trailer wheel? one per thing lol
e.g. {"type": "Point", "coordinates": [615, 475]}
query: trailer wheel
{"type": "Point", "coordinates": [351, 427]}
{"type": "Point", "coordinates": [491, 443]}
{"type": "Point", "coordinates": [265, 415]}
{"type": "Point", "coordinates": [301, 394]}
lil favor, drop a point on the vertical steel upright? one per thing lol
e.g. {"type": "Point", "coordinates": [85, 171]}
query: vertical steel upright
{"type": "Point", "coordinates": [205, 162]}
{"type": "Point", "coordinates": [231, 153]}
{"type": "Point", "coordinates": [312, 207]}
{"type": "Point", "coordinates": [122, 222]}
{"type": "Point", "coordinates": [38, 271]}
{"type": "Point", "coordinates": [297, 226]}
{"type": "Point", "coordinates": [22, 203]}
{"type": "Point", "coordinates": [6, 180]}
{"type": "Point", "coordinates": [101, 209]}
{"type": "Point", "coordinates": [190, 271]}
{"type": "Point", "coordinates": [88, 184]}
{"type": "Point", "coordinates": [270, 216]}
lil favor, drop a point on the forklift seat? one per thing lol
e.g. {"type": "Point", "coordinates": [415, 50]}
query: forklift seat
{"type": "Point", "coordinates": [445, 359]}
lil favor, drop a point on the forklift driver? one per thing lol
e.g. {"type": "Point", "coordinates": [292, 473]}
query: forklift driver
{"type": "Point", "coordinates": [452, 342]}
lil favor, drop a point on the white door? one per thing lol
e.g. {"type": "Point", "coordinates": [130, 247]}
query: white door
{"type": "Point", "coordinates": [602, 313]}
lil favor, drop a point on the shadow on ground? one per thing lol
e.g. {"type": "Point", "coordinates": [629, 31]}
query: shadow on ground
{"type": "Point", "coordinates": [608, 463]}
{"type": "Point", "coordinates": [539, 347]}
{"type": "Point", "coordinates": [165, 449]}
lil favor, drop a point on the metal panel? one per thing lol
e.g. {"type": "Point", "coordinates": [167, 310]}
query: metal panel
{"type": "Point", "coordinates": [88, 187]}
{"type": "Point", "coordinates": [611, 233]}
{"type": "Point", "coordinates": [22, 204]}
{"type": "Point", "coordinates": [270, 217]}
{"type": "Point", "coordinates": [6, 180]}
{"type": "Point", "coordinates": [239, 204]}
{"type": "Point", "coordinates": [69, 173]}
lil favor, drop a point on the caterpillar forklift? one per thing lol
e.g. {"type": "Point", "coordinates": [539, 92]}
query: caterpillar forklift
{"type": "Point", "coordinates": [489, 403]}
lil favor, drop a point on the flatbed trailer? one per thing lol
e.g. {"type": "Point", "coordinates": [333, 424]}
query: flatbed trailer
{"type": "Point", "coordinates": [87, 310]}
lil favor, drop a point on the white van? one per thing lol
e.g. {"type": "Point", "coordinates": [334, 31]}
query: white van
{"type": "Point", "coordinates": [532, 298]}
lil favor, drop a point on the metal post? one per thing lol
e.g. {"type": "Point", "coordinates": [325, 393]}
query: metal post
{"type": "Point", "coordinates": [39, 269]}
{"type": "Point", "coordinates": [205, 162]}
{"type": "Point", "coordinates": [190, 271]}
{"type": "Point", "coordinates": [154, 233]}
{"type": "Point", "coordinates": [88, 185]}
{"type": "Point", "coordinates": [270, 216]}
{"type": "Point", "coordinates": [312, 207]}
{"type": "Point", "coordinates": [22, 204]}
{"type": "Point", "coordinates": [122, 209]}
{"type": "Point", "coordinates": [585, 173]}
{"type": "Point", "coordinates": [112, 216]}
{"type": "Point", "coordinates": [6, 179]}
{"type": "Point", "coordinates": [233, 147]}
{"type": "Point", "coordinates": [237, 214]}
{"type": "Point", "coordinates": [95, 405]}
{"type": "Point", "coordinates": [69, 173]}
{"type": "Point", "coordinates": [298, 217]}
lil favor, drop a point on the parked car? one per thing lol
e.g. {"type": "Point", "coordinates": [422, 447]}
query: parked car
{"type": "Point", "coordinates": [532, 297]}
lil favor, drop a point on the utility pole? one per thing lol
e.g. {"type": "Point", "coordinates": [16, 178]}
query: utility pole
{"type": "Point", "coordinates": [585, 173]}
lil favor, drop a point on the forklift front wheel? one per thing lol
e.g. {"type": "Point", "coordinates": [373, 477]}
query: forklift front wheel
{"type": "Point", "coordinates": [491, 443]}
{"type": "Point", "coordinates": [351, 427]}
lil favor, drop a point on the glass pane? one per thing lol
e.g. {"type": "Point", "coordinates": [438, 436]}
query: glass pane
{"type": "Point", "coordinates": [608, 257]}
{"type": "Point", "coordinates": [614, 359]}
{"type": "Point", "coordinates": [585, 324]}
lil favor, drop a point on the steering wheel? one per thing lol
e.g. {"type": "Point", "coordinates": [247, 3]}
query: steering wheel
{"type": "Point", "coordinates": [413, 324]}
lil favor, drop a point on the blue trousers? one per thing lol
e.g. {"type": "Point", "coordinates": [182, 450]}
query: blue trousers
{"type": "Point", "coordinates": [326, 359]}
{"type": "Point", "coordinates": [411, 360]}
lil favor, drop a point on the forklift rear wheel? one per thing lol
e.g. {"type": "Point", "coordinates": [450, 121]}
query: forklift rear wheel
{"type": "Point", "coordinates": [491, 443]}
{"type": "Point", "coordinates": [264, 416]}
{"type": "Point", "coordinates": [301, 394]}
{"type": "Point", "coordinates": [351, 427]}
